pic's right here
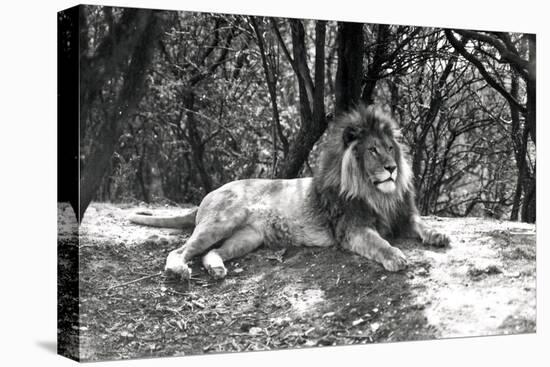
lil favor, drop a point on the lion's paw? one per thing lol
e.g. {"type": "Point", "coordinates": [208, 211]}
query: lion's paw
{"type": "Point", "coordinates": [436, 239]}
{"type": "Point", "coordinates": [176, 267]}
{"type": "Point", "coordinates": [393, 259]}
{"type": "Point", "coordinates": [181, 272]}
{"type": "Point", "coordinates": [217, 272]}
{"type": "Point", "coordinates": [213, 263]}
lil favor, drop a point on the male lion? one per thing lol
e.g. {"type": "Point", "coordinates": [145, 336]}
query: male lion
{"type": "Point", "coordinates": [361, 195]}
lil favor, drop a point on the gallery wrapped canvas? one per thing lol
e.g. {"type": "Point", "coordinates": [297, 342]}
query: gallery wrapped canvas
{"type": "Point", "coordinates": [233, 183]}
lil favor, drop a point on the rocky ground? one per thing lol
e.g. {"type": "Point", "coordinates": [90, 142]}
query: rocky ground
{"type": "Point", "coordinates": [123, 307]}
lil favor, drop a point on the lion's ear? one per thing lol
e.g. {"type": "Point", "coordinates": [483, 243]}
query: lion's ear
{"type": "Point", "coordinates": [350, 134]}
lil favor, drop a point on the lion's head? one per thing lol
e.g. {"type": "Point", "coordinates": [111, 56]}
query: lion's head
{"type": "Point", "coordinates": [364, 160]}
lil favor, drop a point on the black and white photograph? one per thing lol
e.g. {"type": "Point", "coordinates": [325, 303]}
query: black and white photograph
{"type": "Point", "coordinates": [232, 183]}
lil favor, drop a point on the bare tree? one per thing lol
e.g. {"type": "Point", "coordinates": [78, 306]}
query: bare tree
{"type": "Point", "coordinates": [500, 48]}
{"type": "Point", "coordinates": [126, 51]}
{"type": "Point", "coordinates": [349, 74]}
{"type": "Point", "coordinates": [311, 94]}
{"type": "Point", "coordinates": [271, 77]}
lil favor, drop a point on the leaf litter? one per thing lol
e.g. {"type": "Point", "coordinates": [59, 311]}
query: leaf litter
{"type": "Point", "coordinates": [294, 298]}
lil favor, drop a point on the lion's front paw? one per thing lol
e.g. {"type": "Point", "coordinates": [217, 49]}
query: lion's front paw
{"type": "Point", "coordinates": [181, 272]}
{"type": "Point", "coordinates": [393, 259]}
{"type": "Point", "coordinates": [218, 272]}
{"type": "Point", "coordinates": [176, 267]}
{"type": "Point", "coordinates": [437, 239]}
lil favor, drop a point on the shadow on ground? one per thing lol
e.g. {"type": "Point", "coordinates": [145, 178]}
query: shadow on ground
{"type": "Point", "coordinates": [483, 285]}
{"type": "Point", "coordinates": [48, 345]}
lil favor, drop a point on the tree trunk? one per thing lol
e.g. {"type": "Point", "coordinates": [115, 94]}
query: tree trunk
{"type": "Point", "coordinates": [375, 67]}
{"type": "Point", "coordinates": [141, 173]}
{"type": "Point", "coordinates": [519, 150]}
{"type": "Point", "coordinates": [156, 190]}
{"type": "Point", "coordinates": [68, 107]}
{"type": "Point", "coordinates": [529, 208]}
{"type": "Point", "coordinates": [105, 143]}
{"type": "Point", "coordinates": [312, 108]}
{"type": "Point", "coordinates": [111, 57]}
{"type": "Point", "coordinates": [349, 73]}
{"type": "Point", "coordinates": [348, 86]}
{"type": "Point", "coordinates": [271, 81]}
{"type": "Point", "coordinates": [532, 89]}
{"type": "Point", "coordinates": [428, 119]}
{"type": "Point", "coordinates": [197, 145]}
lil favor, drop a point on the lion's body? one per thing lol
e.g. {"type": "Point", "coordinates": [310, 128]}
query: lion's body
{"type": "Point", "coordinates": [361, 196]}
{"type": "Point", "coordinates": [280, 211]}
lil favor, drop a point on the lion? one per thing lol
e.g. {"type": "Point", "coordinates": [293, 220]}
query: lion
{"type": "Point", "coordinates": [361, 196]}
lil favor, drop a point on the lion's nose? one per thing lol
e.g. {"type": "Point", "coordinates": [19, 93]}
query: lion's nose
{"type": "Point", "coordinates": [390, 169]}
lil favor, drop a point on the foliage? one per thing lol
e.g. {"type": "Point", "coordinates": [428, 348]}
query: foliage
{"type": "Point", "coordinates": [227, 97]}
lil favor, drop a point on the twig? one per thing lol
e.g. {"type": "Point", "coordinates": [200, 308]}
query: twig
{"type": "Point", "coordinates": [204, 283]}
{"type": "Point", "coordinates": [197, 303]}
{"type": "Point", "coordinates": [134, 281]}
{"type": "Point", "coordinates": [371, 290]}
{"type": "Point", "coordinates": [179, 293]}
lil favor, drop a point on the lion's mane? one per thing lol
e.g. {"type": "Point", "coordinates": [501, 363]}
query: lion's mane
{"type": "Point", "coordinates": [340, 182]}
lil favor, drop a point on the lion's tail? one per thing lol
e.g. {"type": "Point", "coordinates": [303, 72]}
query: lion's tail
{"type": "Point", "coordinates": [185, 220]}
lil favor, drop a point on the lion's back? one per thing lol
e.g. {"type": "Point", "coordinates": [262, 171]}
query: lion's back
{"type": "Point", "coordinates": [279, 209]}
{"type": "Point", "coordinates": [285, 196]}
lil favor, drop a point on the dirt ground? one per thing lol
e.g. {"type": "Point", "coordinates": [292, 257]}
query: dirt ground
{"type": "Point", "coordinates": [484, 284]}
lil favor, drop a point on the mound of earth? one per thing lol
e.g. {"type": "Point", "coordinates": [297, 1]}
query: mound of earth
{"type": "Point", "coordinates": [123, 307]}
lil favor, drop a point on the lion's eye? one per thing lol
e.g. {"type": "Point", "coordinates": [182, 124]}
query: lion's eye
{"type": "Point", "coordinates": [390, 148]}
{"type": "Point", "coordinates": [373, 150]}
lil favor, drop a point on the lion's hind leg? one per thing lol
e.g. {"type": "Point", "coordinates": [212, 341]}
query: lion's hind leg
{"type": "Point", "coordinates": [207, 233]}
{"type": "Point", "coordinates": [239, 244]}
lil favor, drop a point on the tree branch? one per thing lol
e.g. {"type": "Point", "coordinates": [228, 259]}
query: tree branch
{"type": "Point", "coordinates": [272, 89]}
{"type": "Point", "coordinates": [505, 53]}
{"type": "Point", "coordinates": [319, 95]}
{"type": "Point", "coordinates": [300, 57]}
{"type": "Point", "coordinates": [459, 46]}
{"type": "Point", "coordinates": [283, 46]}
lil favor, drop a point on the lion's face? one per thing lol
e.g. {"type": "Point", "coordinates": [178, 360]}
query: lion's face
{"type": "Point", "coordinates": [372, 163]}
{"type": "Point", "coordinates": [378, 157]}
